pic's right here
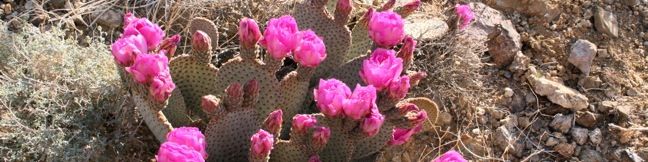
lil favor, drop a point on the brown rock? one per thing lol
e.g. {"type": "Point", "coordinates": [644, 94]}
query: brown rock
{"type": "Point", "coordinates": [562, 122]}
{"type": "Point", "coordinates": [503, 138]}
{"type": "Point", "coordinates": [519, 64]}
{"type": "Point", "coordinates": [582, 54]}
{"type": "Point", "coordinates": [579, 135]}
{"type": "Point", "coordinates": [543, 8]}
{"type": "Point", "coordinates": [595, 136]}
{"type": "Point", "coordinates": [626, 155]}
{"type": "Point", "coordinates": [591, 82]}
{"type": "Point", "coordinates": [557, 93]}
{"type": "Point", "coordinates": [606, 22]}
{"type": "Point", "coordinates": [591, 156]}
{"type": "Point", "coordinates": [565, 149]}
{"type": "Point", "coordinates": [492, 27]}
{"type": "Point", "coordinates": [587, 119]}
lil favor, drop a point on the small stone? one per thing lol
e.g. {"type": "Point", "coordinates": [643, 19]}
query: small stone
{"type": "Point", "coordinates": [595, 136]}
{"type": "Point", "coordinates": [606, 106]}
{"type": "Point", "coordinates": [626, 155]}
{"type": "Point", "coordinates": [606, 22]}
{"type": "Point", "coordinates": [7, 8]}
{"type": "Point", "coordinates": [551, 141]}
{"type": "Point", "coordinates": [582, 54]}
{"type": "Point", "coordinates": [562, 122]}
{"type": "Point", "coordinates": [519, 64]}
{"type": "Point", "coordinates": [565, 149]}
{"type": "Point", "coordinates": [591, 82]}
{"type": "Point", "coordinates": [632, 92]}
{"type": "Point", "coordinates": [557, 92]}
{"type": "Point", "coordinates": [591, 156]}
{"type": "Point", "coordinates": [587, 119]}
{"type": "Point", "coordinates": [524, 122]}
{"type": "Point", "coordinates": [503, 138]}
{"type": "Point", "coordinates": [579, 135]}
{"type": "Point", "coordinates": [508, 92]}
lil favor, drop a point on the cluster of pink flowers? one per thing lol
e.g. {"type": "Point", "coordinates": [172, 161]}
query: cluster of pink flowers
{"type": "Point", "coordinates": [301, 123]}
{"type": "Point", "coordinates": [282, 37]}
{"type": "Point", "coordinates": [262, 142]}
{"type": "Point", "coordinates": [383, 70]}
{"type": "Point", "coordinates": [386, 28]}
{"type": "Point", "coordinates": [465, 15]}
{"type": "Point", "coordinates": [450, 156]}
{"type": "Point", "coordinates": [184, 144]}
{"type": "Point", "coordinates": [140, 52]}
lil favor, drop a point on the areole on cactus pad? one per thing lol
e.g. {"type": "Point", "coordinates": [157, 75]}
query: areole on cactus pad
{"type": "Point", "coordinates": [244, 113]}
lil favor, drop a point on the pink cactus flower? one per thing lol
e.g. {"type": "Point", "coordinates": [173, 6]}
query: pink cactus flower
{"type": "Point", "coordinates": [151, 32]}
{"type": "Point", "coordinates": [162, 86]}
{"type": "Point", "coordinates": [407, 107]}
{"type": "Point", "coordinates": [386, 28]}
{"type": "Point", "coordinates": [417, 117]}
{"type": "Point", "coordinates": [381, 68]}
{"type": "Point", "coordinates": [450, 156]}
{"type": "Point", "coordinates": [280, 37]}
{"type": "Point", "coordinates": [200, 41]}
{"type": "Point", "coordinates": [249, 33]}
{"type": "Point", "coordinates": [274, 120]}
{"type": "Point", "coordinates": [262, 142]}
{"type": "Point", "coordinates": [399, 87]}
{"type": "Point", "coordinates": [314, 158]}
{"type": "Point", "coordinates": [170, 45]}
{"type": "Point", "coordinates": [360, 102]}
{"type": "Point", "coordinates": [189, 136]}
{"type": "Point", "coordinates": [311, 51]}
{"type": "Point", "coordinates": [126, 49]}
{"type": "Point", "coordinates": [321, 136]}
{"type": "Point", "coordinates": [465, 15]}
{"type": "Point", "coordinates": [301, 122]}
{"type": "Point", "coordinates": [174, 152]}
{"type": "Point", "coordinates": [148, 66]}
{"type": "Point", "coordinates": [372, 123]}
{"type": "Point", "coordinates": [407, 51]}
{"type": "Point", "coordinates": [128, 18]}
{"type": "Point", "coordinates": [400, 135]}
{"type": "Point", "coordinates": [330, 95]}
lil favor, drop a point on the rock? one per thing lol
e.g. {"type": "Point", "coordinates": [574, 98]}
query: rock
{"type": "Point", "coordinates": [7, 9]}
{"type": "Point", "coordinates": [503, 45]}
{"type": "Point", "coordinates": [565, 149]}
{"type": "Point", "coordinates": [587, 119]}
{"type": "Point", "coordinates": [632, 92]}
{"type": "Point", "coordinates": [582, 54]}
{"type": "Point", "coordinates": [111, 19]}
{"type": "Point", "coordinates": [552, 141]}
{"type": "Point", "coordinates": [631, 2]}
{"type": "Point", "coordinates": [606, 22]}
{"type": "Point", "coordinates": [602, 53]}
{"type": "Point", "coordinates": [625, 135]}
{"type": "Point", "coordinates": [503, 138]}
{"type": "Point", "coordinates": [519, 64]}
{"type": "Point", "coordinates": [543, 8]}
{"type": "Point", "coordinates": [421, 28]}
{"type": "Point", "coordinates": [626, 155]}
{"type": "Point", "coordinates": [524, 122]}
{"type": "Point", "coordinates": [492, 27]}
{"type": "Point", "coordinates": [589, 155]}
{"type": "Point", "coordinates": [595, 136]}
{"type": "Point", "coordinates": [508, 92]}
{"type": "Point", "coordinates": [579, 135]}
{"type": "Point", "coordinates": [606, 106]}
{"type": "Point", "coordinates": [557, 93]}
{"type": "Point", "coordinates": [591, 82]}
{"type": "Point", "coordinates": [562, 122]}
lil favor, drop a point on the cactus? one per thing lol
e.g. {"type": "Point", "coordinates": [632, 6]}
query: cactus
{"type": "Point", "coordinates": [241, 105]}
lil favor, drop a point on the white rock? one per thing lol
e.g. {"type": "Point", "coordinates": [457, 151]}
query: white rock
{"type": "Point", "coordinates": [558, 93]}
{"type": "Point", "coordinates": [582, 54]}
{"type": "Point", "coordinates": [595, 136]}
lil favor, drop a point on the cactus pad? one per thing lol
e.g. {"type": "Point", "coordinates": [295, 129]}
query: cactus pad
{"type": "Point", "coordinates": [207, 26]}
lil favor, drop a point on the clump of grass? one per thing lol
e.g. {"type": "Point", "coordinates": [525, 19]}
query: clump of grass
{"type": "Point", "coordinates": [54, 95]}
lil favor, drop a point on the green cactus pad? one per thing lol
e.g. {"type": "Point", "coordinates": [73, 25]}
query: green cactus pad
{"type": "Point", "coordinates": [341, 144]}
{"type": "Point", "coordinates": [288, 151]}
{"type": "Point", "coordinates": [175, 111]}
{"type": "Point", "coordinates": [369, 146]}
{"type": "Point", "coordinates": [228, 136]}
{"type": "Point", "coordinates": [207, 26]}
{"type": "Point", "coordinates": [349, 73]}
{"type": "Point", "coordinates": [360, 43]}
{"type": "Point", "coordinates": [294, 94]}
{"type": "Point", "coordinates": [195, 78]}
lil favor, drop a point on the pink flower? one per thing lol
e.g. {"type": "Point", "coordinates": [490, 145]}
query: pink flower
{"type": "Point", "coordinates": [279, 38]}
{"type": "Point", "coordinates": [170, 44]}
{"type": "Point", "coordinates": [151, 32]}
{"type": "Point", "coordinates": [360, 102]}
{"type": "Point", "coordinates": [126, 49]}
{"type": "Point", "coordinates": [381, 68]}
{"type": "Point", "coordinates": [407, 51]}
{"type": "Point", "coordinates": [311, 51]}
{"type": "Point", "coordinates": [302, 122]}
{"type": "Point", "coordinates": [147, 66]}
{"type": "Point", "coordinates": [465, 15]}
{"type": "Point", "coordinates": [330, 95]}
{"type": "Point", "coordinates": [314, 158]}
{"type": "Point", "coordinates": [321, 136]}
{"type": "Point", "coordinates": [386, 28]}
{"type": "Point", "coordinates": [372, 123]}
{"type": "Point", "coordinates": [262, 143]}
{"type": "Point", "coordinates": [174, 152]}
{"type": "Point", "coordinates": [190, 137]}
{"type": "Point", "coordinates": [249, 33]}
{"type": "Point", "coordinates": [161, 87]}
{"type": "Point", "coordinates": [450, 156]}
{"type": "Point", "coordinates": [417, 117]}
{"type": "Point", "coordinates": [407, 107]}
{"type": "Point", "coordinates": [274, 120]}
{"type": "Point", "coordinates": [400, 135]}
{"type": "Point", "coordinates": [209, 104]}
{"type": "Point", "coordinates": [399, 87]}
{"type": "Point", "coordinates": [200, 41]}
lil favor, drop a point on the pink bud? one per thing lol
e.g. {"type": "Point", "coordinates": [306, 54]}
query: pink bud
{"type": "Point", "coordinates": [162, 86]}
{"type": "Point", "coordinates": [200, 41]}
{"type": "Point", "coordinates": [417, 117]}
{"type": "Point", "coordinates": [386, 28]}
{"type": "Point", "coordinates": [189, 136]}
{"type": "Point", "coordinates": [209, 103]}
{"type": "Point", "coordinates": [407, 107]}
{"type": "Point", "coordinates": [417, 77]}
{"type": "Point", "coordinates": [399, 87]}
{"type": "Point", "coordinates": [147, 66]}
{"type": "Point", "coordinates": [314, 158]}
{"type": "Point", "coordinates": [372, 123]}
{"type": "Point", "coordinates": [311, 51]}
{"type": "Point", "coordinates": [274, 120]}
{"type": "Point", "coordinates": [126, 49]}
{"type": "Point", "coordinates": [450, 156]}
{"type": "Point", "coordinates": [465, 15]}
{"type": "Point", "coordinates": [321, 136]}
{"type": "Point", "coordinates": [302, 122]}
{"type": "Point", "coordinates": [388, 5]}
{"type": "Point", "coordinates": [174, 152]}
{"type": "Point", "coordinates": [330, 95]}
{"type": "Point", "coordinates": [280, 38]}
{"type": "Point", "coordinates": [407, 52]}
{"type": "Point", "coordinates": [344, 7]}
{"type": "Point", "coordinates": [249, 33]}
{"type": "Point", "coordinates": [170, 44]}
{"type": "Point", "coordinates": [360, 102]}
{"type": "Point", "coordinates": [410, 7]}
{"type": "Point", "coordinates": [381, 68]}
{"type": "Point", "coordinates": [128, 18]}
{"type": "Point", "coordinates": [151, 32]}
{"type": "Point", "coordinates": [262, 143]}
{"type": "Point", "coordinates": [400, 135]}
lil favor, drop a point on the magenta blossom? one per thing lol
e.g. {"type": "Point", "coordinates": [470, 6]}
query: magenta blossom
{"type": "Point", "coordinates": [311, 51]}
{"type": "Point", "coordinates": [174, 152]}
{"type": "Point", "coordinates": [147, 66]}
{"type": "Point", "coordinates": [321, 136]}
{"type": "Point", "coordinates": [371, 123]}
{"type": "Point", "coordinates": [417, 117]}
{"type": "Point", "coordinates": [170, 45]}
{"type": "Point", "coordinates": [151, 32]}
{"type": "Point", "coordinates": [381, 68]}
{"type": "Point", "coordinates": [399, 87]}
{"type": "Point", "coordinates": [302, 122]}
{"type": "Point", "coordinates": [249, 33]}
{"type": "Point", "coordinates": [274, 120]}
{"type": "Point", "coordinates": [262, 142]}
{"type": "Point", "coordinates": [128, 18]}
{"type": "Point", "coordinates": [280, 36]}
{"type": "Point", "coordinates": [162, 86]}
{"type": "Point", "coordinates": [450, 156]}
{"type": "Point", "coordinates": [400, 135]}
{"type": "Point", "coordinates": [386, 28]}
{"type": "Point", "coordinates": [126, 49]}
{"type": "Point", "coordinates": [465, 15]}
{"type": "Point", "coordinates": [189, 136]}
{"type": "Point", "coordinates": [330, 95]}
{"type": "Point", "coordinates": [314, 158]}
{"type": "Point", "coordinates": [360, 102]}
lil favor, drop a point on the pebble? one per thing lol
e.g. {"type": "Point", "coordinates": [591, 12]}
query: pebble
{"type": "Point", "coordinates": [595, 136]}
{"type": "Point", "coordinates": [579, 135]}
{"type": "Point", "coordinates": [562, 122]}
{"type": "Point", "coordinates": [508, 92]}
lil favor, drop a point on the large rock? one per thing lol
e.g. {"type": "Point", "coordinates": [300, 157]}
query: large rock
{"type": "Point", "coordinates": [582, 55]}
{"type": "Point", "coordinates": [606, 22]}
{"type": "Point", "coordinates": [492, 27]}
{"type": "Point", "coordinates": [556, 92]}
{"type": "Point", "coordinates": [422, 28]}
{"type": "Point", "coordinates": [542, 8]}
